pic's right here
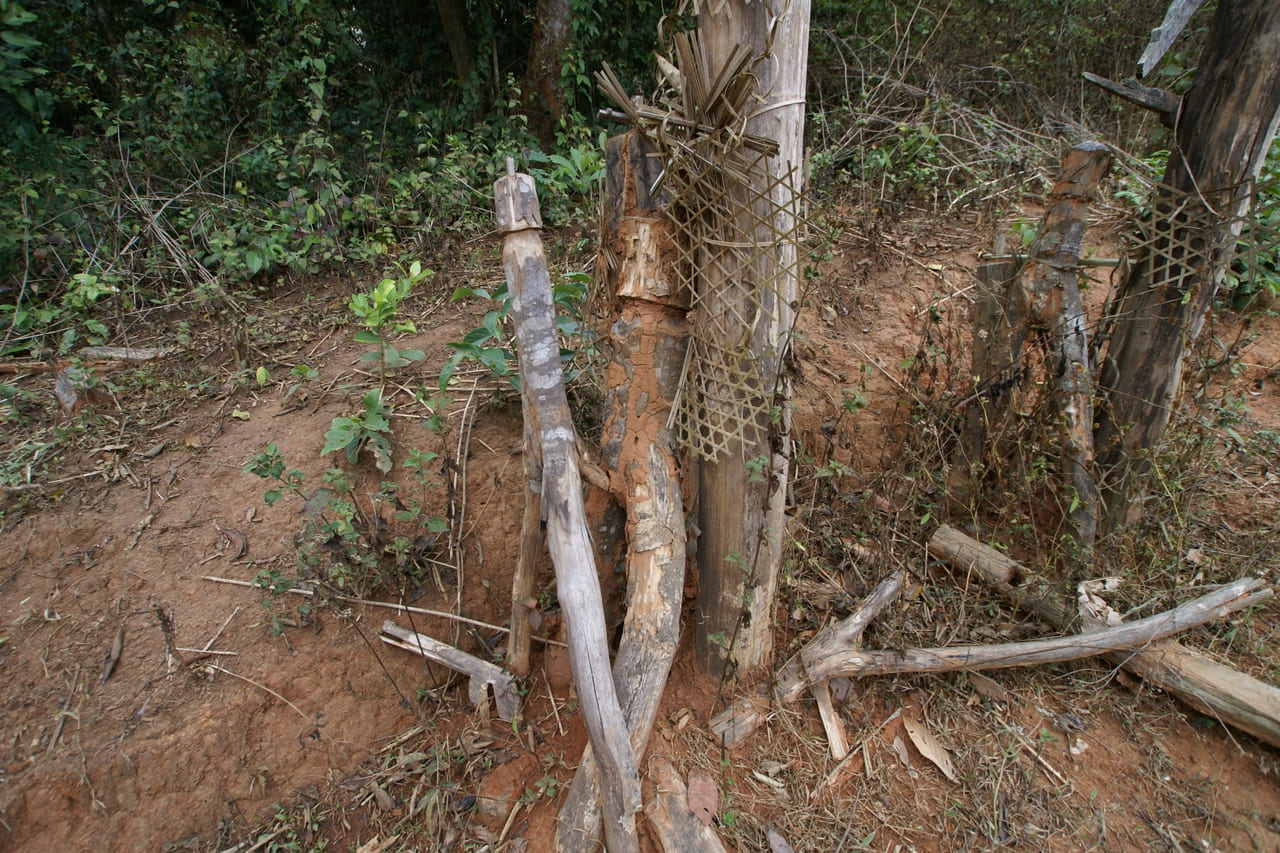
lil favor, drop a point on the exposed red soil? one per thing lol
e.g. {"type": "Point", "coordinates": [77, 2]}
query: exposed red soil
{"type": "Point", "coordinates": [171, 755]}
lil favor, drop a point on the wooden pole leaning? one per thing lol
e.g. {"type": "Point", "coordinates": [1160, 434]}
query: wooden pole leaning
{"type": "Point", "coordinates": [568, 539]}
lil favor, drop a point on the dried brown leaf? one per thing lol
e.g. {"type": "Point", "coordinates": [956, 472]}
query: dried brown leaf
{"type": "Point", "coordinates": [778, 844]}
{"type": "Point", "coordinates": [989, 688]}
{"type": "Point", "coordinates": [929, 746]}
{"type": "Point", "coordinates": [704, 796]}
{"type": "Point", "coordinates": [239, 543]}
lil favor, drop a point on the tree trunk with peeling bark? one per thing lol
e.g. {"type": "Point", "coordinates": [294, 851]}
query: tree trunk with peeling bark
{"type": "Point", "coordinates": [1225, 127]}
{"type": "Point", "coordinates": [741, 511]}
{"type": "Point", "coordinates": [646, 345]}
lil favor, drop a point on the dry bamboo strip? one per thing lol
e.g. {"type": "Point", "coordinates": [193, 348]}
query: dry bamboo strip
{"type": "Point", "coordinates": [389, 605]}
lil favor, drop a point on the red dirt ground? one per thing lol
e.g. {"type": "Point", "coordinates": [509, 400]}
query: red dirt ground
{"type": "Point", "coordinates": [167, 755]}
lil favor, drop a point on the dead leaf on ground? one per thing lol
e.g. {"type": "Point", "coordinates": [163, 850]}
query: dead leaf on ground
{"type": "Point", "coordinates": [989, 688]}
{"type": "Point", "coordinates": [778, 844]}
{"type": "Point", "coordinates": [376, 846]}
{"type": "Point", "coordinates": [239, 543]}
{"type": "Point", "coordinates": [383, 798]}
{"type": "Point", "coordinates": [929, 746]}
{"type": "Point", "coordinates": [900, 748]}
{"type": "Point", "coordinates": [704, 796]}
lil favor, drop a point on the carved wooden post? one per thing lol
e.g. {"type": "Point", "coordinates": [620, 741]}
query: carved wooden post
{"type": "Point", "coordinates": [568, 539]}
{"type": "Point", "coordinates": [1047, 291]}
{"type": "Point", "coordinates": [646, 345]}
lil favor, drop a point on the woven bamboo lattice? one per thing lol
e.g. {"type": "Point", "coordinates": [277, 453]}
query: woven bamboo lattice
{"type": "Point", "coordinates": [735, 229]}
{"type": "Point", "coordinates": [1191, 236]}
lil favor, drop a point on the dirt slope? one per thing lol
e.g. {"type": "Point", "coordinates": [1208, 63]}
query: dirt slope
{"type": "Point", "coordinates": [192, 753]}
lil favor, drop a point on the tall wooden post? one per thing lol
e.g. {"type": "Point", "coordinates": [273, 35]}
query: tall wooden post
{"type": "Point", "coordinates": [742, 495]}
{"type": "Point", "coordinates": [577, 585]}
{"type": "Point", "coordinates": [646, 344]}
{"type": "Point", "coordinates": [1224, 130]}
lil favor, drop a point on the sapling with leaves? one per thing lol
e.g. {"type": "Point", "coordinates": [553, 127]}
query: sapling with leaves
{"type": "Point", "coordinates": [379, 314]}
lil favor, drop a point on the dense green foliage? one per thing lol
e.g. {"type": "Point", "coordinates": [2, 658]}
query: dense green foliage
{"type": "Point", "coordinates": [157, 151]}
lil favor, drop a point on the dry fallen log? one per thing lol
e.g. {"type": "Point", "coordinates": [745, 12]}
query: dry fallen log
{"type": "Point", "coordinates": [482, 673]}
{"type": "Point", "coordinates": [568, 537]}
{"type": "Point", "coordinates": [842, 635]}
{"type": "Point", "coordinates": [1225, 600]}
{"type": "Point", "coordinates": [746, 714]}
{"type": "Point", "coordinates": [1006, 576]}
{"type": "Point", "coordinates": [736, 723]}
{"type": "Point", "coordinates": [1211, 688]}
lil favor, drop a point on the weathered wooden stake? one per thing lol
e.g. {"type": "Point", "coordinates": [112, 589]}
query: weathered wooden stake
{"type": "Point", "coordinates": [578, 587]}
{"type": "Point", "coordinates": [1048, 291]}
{"type": "Point", "coordinates": [524, 582]}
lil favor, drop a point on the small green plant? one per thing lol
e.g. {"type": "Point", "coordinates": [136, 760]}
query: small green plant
{"type": "Point", "coordinates": [491, 343]}
{"type": "Point", "coordinates": [378, 311]}
{"type": "Point", "coordinates": [566, 180]}
{"type": "Point", "coordinates": [370, 430]}
{"type": "Point", "coordinates": [351, 544]}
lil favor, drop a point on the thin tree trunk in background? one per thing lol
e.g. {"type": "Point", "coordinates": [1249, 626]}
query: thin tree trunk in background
{"type": "Point", "coordinates": [544, 98]}
{"type": "Point", "coordinates": [1226, 126]}
{"type": "Point", "coordinates": [453, 19]}
{"type": "Point", "coordinates": [741, 511]}
{"type": "Point", "coordinates": [1047, 291]}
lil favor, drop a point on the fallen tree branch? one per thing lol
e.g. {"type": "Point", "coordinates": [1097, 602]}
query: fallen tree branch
{"type": "Point", "coordinates": [792, 680]}
{"type": "Point", "coordinates": [1237, 595]}
{"type": "Point", "coordinates": [482, 673]}
{"type": "Point", "coordinates": [747, 713]}
{"type": "Point", "coordinates": [1210, 687]}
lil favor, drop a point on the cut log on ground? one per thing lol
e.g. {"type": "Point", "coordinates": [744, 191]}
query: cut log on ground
{"type": "Point", "coordinates": [482, 673]}
{"type": "Point", "coordinates": [1211, 688]}
{"type": "Point", "coordinates": [1223, 601]}
{"type": "Point", "coordinates": [568, 537]}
